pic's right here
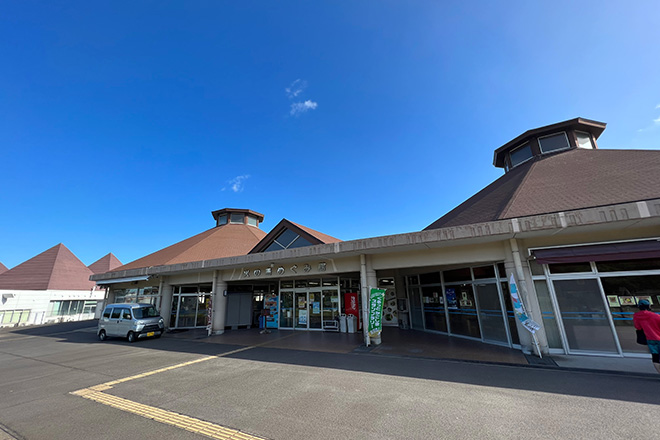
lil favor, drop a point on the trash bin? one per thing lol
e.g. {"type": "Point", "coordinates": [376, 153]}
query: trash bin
{"type": "Point", "coordinates": [342, 323]}
{"type": "Point", "coordinates": [351, 322]}
{"type": "Point", "coordinates": [403, 322]}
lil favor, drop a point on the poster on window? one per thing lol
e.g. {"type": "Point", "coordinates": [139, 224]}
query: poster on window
{"type": "Point", "coordinates": [302, 317]}
{"type": "Point", "coordinates": [270, 304]}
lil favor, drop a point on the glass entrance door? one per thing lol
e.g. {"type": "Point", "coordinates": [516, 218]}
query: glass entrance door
{"type": "Point", "coordinates": [583, 312]}
{"type": "Point", "coordinates": [302, 313]}
{"type": "Point", "coordinates": [314, 309]}
{"type": "Point", "coordinates": [416, 316]}
{"type": "Point", "coordinates": [490, 313]}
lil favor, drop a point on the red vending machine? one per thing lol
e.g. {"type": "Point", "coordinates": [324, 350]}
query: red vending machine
{"type": "Point", "coordinates": [351, 306]}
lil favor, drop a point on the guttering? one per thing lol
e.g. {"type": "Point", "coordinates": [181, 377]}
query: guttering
{"type": "Point", "coordinates": [123, 280]}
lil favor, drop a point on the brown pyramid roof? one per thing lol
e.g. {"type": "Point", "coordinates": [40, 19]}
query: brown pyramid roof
{"type": "Point", "coordinates": [571, 180]}
{"type": "Point", "coordinates": [222, 241]}
{"type": "Point", "coordinates": [3, 268]}
{"type": "Point", "coordinates": [54, 269]}
{"type": "Point", "coordinates": [105, 264]}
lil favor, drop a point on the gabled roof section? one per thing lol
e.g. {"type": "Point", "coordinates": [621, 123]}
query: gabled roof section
{"type": "Point", "coordinates": [312, 236]}
{"type": "Point", "coordinates": [3, 268]}
{"type": "Point", "coordinates": [55, 269]}
{"type": "Point", "coordinates": [105, 264]}
{"type": "Point", "coordinates": [572, 180]}
{"type": "Point", "coordinates": [219, 242]}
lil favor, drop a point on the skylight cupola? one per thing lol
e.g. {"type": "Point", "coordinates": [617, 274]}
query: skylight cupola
{"type": "Point", "coordinates": [551, 139]}
{"type": "Point", "coordinates": [233, 216]}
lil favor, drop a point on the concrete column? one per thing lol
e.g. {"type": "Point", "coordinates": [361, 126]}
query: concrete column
{"type": "Point", "coordinates": [166, 302]}
{"type": "Point", "coordinates": [367, 281]}
{"type": "Point", "coordinates": [529, 300]}
{"type": "Point", "coordinates": [219, 304]}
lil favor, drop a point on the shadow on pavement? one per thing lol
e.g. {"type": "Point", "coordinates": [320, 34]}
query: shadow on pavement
{"type": "Point", "coordinates": [516, 376]}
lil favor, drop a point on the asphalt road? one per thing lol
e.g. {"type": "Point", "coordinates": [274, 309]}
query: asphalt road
{"type": "Point", "coordinates": [291, 394]}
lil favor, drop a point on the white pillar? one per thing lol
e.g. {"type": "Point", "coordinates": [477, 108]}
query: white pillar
{"type": "Point", "coordinates": [367, 280]}
{"type": "Point", "coordinates": [166, 302]}
{"type": "Point", "coordinates": [531, 303]}
{"type": "Point", "coordinates": [219, 304]}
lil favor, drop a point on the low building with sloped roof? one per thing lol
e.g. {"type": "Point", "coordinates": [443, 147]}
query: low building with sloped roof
{"type": "Point", "coordinates": [551, 257]}
{"type": "Point", "coordinates": [52, 286]}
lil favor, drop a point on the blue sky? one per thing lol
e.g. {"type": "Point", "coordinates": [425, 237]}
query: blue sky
{"type": "Point", "coordinates": [124, 124]}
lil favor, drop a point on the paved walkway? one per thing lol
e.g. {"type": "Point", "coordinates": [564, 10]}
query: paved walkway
{"type": "Point", "coordinates": [412, 343]}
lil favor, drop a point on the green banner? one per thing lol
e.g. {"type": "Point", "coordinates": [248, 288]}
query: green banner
{"type": "Point", "coordinates": [376, 300]}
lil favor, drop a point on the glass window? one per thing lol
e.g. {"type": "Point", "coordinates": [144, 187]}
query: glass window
{"type": "Point", "coordinates": [300, 284]}
{"type": "Point", "coordinates": [274, 246]}
{"type": "Point", "coordinates": [490, 312]}
{"type": "Point", "coordinates": [330, 282]}
{"type": "Point", "coordinates": [569, 267]}
{"type": "Point", "coordinates": [628, 265]}
{"type": "Point", "coordinates": [501, 270]}
{"type": "Point", "coordinates": [126, 314]}
{"type": "Point", "coordinates": [584, 315]}
{"type": "Point", "coordinates": [299, 242]}
{"type": "Point", "coordinates": [583, 139]}
{"type": "Point", "coordinates": [457, 275]}
{"type": "Point", "coordinates": [548, 314]}
{"type": "Point", "coordinates": [286, 309]}
{"type": "Point", "coordinates": [106, 312]}
{"type": "Point", "coordinates": [237, 217]}
{"type": "Point", "coordinates": [116, 313]}
{"type": "Point", "coordinates": [145, 312]}
{"type": "Point", "coordinates": [286, 238]}
{"type": "Point", "coordinates": [434, 308]}
{"type": "Point", "coordinates": [520, 155]}
{"type": "Point", "coordinates": [462, 309]}
{"type": "Point", "coordinates": [510, 314]}
{"type": "Point", "coordinates": [484, 272]}
{"type": "Point", "coordinates": [536, 268]}
{"type": "Point", "coordinates": [554, 142]}
{"type": "Point", "coordinates": [222, 220]}
{"type": "Point", "coordinates": [288, 284]}
{"type": "Point", "coordinates": [252, 221]}
{"type": "Point", "coordinates": [430, 278]}
{"type": "Point", "coordinates": [622, 294]}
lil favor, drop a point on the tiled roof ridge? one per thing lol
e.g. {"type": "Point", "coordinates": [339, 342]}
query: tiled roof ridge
{"type": "Point", "coordinates": [217, 230]}
{"type": "Point", "coordinates": [528, 172]}
{"type": "Point", "coordinates": [319, 235]}
{"type": "Point", "coordinates": [58, 250]}
{"type": "Point", "coordinates": [195, 239]}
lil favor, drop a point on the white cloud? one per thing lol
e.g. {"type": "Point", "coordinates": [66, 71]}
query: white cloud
{"type": "Point", "coordinates": [657, 106]}
{"type": "Point", "coordinates": [656, 121]}
{"type": "Point", "coordinates": [237, 183]}
{"type": "Point", "coordinates": [296, 88]}
{"type": "Point", "coordinates": [298, 108]}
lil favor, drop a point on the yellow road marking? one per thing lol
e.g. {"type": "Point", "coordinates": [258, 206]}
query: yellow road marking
{"type": "Point", "coordinates": [167, 417]}
{"type": "Point", "coordinates": [191, 424]}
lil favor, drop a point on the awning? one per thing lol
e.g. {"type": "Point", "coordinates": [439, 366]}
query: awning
{"type": "Point", "coordinates": [632, 250]}
{"type": "Point", "coordinates": [123, 280]}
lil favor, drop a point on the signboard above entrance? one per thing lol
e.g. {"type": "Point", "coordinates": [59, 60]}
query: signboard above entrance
{"type": "Point", "coordinates": [292, 270]}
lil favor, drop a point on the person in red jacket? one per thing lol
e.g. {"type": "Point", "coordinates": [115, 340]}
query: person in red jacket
{"type": "Point", "coordinates": [649, 321]}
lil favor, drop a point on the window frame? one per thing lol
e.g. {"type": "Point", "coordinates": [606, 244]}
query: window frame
{"type": "Point", "coordinates": [568, 144]}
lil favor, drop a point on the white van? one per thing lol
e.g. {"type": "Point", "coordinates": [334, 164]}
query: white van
{"type": "Point", "coordinates": [131, 321]}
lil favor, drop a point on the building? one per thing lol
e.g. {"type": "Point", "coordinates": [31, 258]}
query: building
{"type": "Point", "coordinates": [52, 286]}
{"type": "Point", "coordinates": [576, 226]}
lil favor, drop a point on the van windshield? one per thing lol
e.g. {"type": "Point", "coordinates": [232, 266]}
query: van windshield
{"type": "Point", "coordinates": [145, 312]}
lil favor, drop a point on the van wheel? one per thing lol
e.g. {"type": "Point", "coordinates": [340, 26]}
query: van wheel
{"type": "Point", "coordinates": [102, 335]}
{"type": "Point", "coordinates": [131, 337]}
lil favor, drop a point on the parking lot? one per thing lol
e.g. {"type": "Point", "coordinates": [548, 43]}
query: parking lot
{"type": "Point", "coordinates": [60, 382]}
